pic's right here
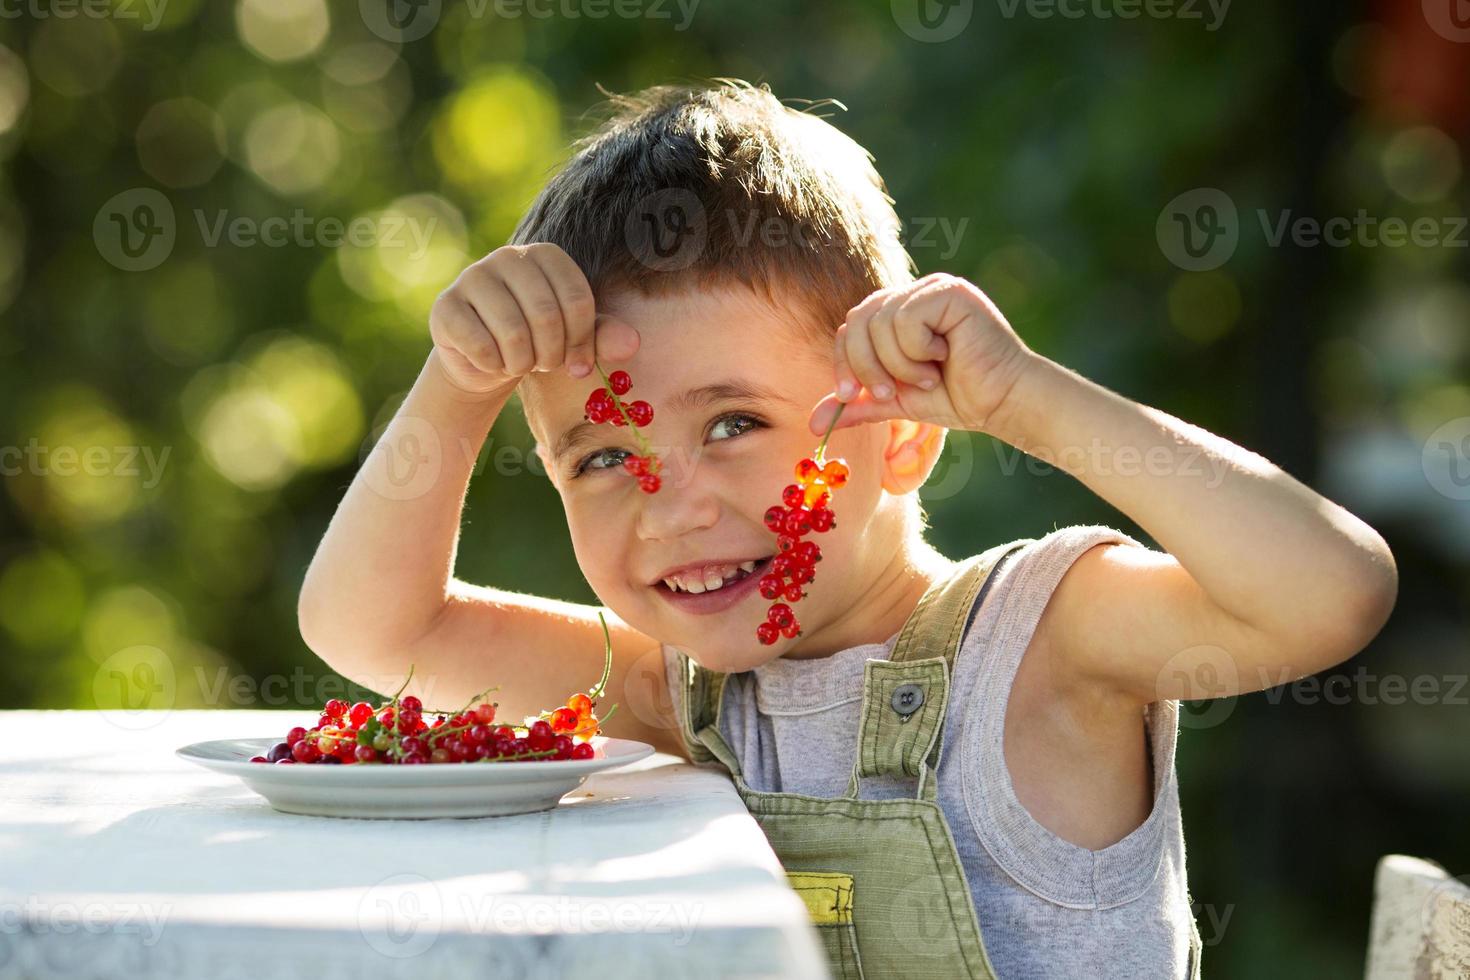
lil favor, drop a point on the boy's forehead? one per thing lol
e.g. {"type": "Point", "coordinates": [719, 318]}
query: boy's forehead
{"type": "Point", "coordinates": [694, 347]}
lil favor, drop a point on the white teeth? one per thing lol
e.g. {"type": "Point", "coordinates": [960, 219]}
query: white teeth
{"type": "Point", "coordinates": [715, 577]}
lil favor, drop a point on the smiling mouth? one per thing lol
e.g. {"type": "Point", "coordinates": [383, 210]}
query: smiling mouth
{"type": "Point", "coordinates": [740, 575]}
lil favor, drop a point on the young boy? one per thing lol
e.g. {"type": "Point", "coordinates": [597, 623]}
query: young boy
{"type": "Point", "coordinates": [741, 260]}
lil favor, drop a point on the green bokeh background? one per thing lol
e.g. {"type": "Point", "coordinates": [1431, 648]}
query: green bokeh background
{"type": "Point", "coordinates": [244, 382]}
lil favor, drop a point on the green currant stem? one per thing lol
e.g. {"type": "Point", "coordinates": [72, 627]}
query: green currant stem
{"type": "Point", "coordinates": [601, 686]}
{"type": "Point", "coordinates": [822, 447]}
{"type": "Point", "coordinates": [394, 700]}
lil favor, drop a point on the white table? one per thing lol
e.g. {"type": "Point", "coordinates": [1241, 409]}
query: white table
{"type": "Point", "coordinates": [118, 859]}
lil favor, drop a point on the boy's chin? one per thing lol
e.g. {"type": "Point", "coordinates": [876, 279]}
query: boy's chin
{"type": "Point", "coordinates": [735, 658]}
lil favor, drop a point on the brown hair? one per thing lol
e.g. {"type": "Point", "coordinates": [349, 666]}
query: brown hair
{"type": "Point", "coordinates": [698, 186]}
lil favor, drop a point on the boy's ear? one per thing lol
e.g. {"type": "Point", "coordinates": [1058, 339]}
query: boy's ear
{"type": "Point", "coordinates": [910, 454]}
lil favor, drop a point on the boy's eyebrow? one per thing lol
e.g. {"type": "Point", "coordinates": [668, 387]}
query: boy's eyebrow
{"type": "Point", "coordinates": [697, 397]}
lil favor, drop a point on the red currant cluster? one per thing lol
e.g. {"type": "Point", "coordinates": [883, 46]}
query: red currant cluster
{"type": "Point", "coordinates": [395, 732]}
{"type": "Point", "coordinates": [804, 508]}
{"type": "Point", "coordinates": [606, 405]}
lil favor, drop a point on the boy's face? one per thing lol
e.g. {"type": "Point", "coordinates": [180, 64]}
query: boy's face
{"type": "Point", "coordinates": [725, 461]}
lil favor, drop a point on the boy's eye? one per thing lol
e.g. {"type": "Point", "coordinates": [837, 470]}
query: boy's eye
{"type": "Point", "coordinates": [736, 423]}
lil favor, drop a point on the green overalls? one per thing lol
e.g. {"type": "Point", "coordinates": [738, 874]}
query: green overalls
{"type": "Point", "coordinates": [881, 878]}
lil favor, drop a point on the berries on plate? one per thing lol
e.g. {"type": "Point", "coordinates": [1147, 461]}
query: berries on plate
{"type": "Point", "coordinates": [396, 732]}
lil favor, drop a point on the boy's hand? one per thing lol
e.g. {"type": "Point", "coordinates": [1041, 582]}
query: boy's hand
{"type": "Point", "coordinates": [940, 330]}
{"type": "Point", "coordinates": [522, 308]}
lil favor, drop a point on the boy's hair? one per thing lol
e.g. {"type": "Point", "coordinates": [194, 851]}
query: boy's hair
{"type": "Point", "coordinates": [712, 185]}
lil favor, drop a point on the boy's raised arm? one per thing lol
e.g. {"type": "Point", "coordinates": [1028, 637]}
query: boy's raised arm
{"type": "Point", "coordinates": [380, 593]}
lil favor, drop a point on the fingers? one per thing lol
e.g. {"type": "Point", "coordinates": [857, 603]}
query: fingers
{"type": "Point", "coordinates": [457, 329]}
{"type": "Point", "coordinates": [914, 369]}
{"type": "Point", "coordinates": [616, 339]}
{"type": "Point", "coordinates": [578, 308]}
{"type": "Point", "coordinates": [887, 340]}
{"type": "Point", "coordinates": [500, 312]}
{"type": "Point", "coordinates": [861, 356]}
{"type": "Point", "coordinates": [847, 382]}
{"type": "Point", "coordinates": [863, 408]}
{"type": "Point", "coordinates": [540, 309]}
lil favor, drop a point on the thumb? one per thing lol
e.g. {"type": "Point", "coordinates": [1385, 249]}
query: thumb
{"type": "Point", "coordinates": [614, 339]}
{"type": "Point", "coordinates": [863, 408]}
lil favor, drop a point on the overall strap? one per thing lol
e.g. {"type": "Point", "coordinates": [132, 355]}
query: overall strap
{"type": "Point", "coordinates": [906, 696]}
{"type": "Point", "coordinates": [697, 708]}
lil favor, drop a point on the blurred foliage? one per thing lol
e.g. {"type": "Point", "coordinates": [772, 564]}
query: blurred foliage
{"type": "Point", "coordinates": [178, 435]}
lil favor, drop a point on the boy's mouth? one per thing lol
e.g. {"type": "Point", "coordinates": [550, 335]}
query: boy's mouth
{"type": "Point", "coordinates": [740, 584]}
{"type": "Point", "coordinates": [711, 576]}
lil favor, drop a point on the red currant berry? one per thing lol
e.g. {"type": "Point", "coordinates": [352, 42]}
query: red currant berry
{"type": "Point", "coordinates": [780, 614]}
{"type": "Point", "coordinates": [258, 758]}
{"type": "Point", "coordinates": [798, 522]}
{"type": "Point", "coordinates": [808, 552]}
{"type": "Point", "coordinates": [641, 413]}
{"type": "Point", "coordinates": [304, 751]}
{"type": "Point", "coordinates": [802, 574]}
{"type": "Point", "coordinates": [411, 703]}
{"type": "Point", "coordinates": [792, 631]}
{"type": "Point", "coordinates": [780, 565]}
{"type": "Point", "coordinates": [786, 542]}
{"type": "Point", "coordinates": [620, 382]}
{"type": "Point", "coordinates": [636, 465]}
{"type": "Point", "coordinates": [580, 703]}
{"type": "Point", "coordinates": [616, 418]}
{"type": "Point", "coordinates": [359, 713]}
{"type": "Point", "coordinates": [477, 734]}
{"type": "Point", "coordinates": [564, 720]}
{"type": "Point", "coordinates": [790, 593]}
{"type": "Point", "coordinates": [806, 471]}
{"type": "Point", "coordinates": [821, 520]}
{"type": "Point", "coordinates": [793, 495]}
{"type": "Point", "coordinates": [295, 735]}
{"type": "Point", "coordinates": [335, 708]}
{"type": "Point", "coordinates": [485, 713]}
{"type": "Point", "coordinates": [563, 747]}
{"type": "Point", "coordinates": [325, 720]}
{"type": "Point", "coordinates": [583, 750]}
{"type": "Point", "coordinates": [767, 633]}
{"type": "Point", "coordinates": [649, 483]}
{"type": "Point", "coordinates": [835, 474]}
{"type": "Point", "coordinates": [775, 518]}
{"type": "Point", "coordinates": [365, 753]}
{"type": "Point", "coordinates": [770, 587]}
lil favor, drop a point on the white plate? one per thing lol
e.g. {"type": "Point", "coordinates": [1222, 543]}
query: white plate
{"type": "Point", "coordinates": [467, 789]}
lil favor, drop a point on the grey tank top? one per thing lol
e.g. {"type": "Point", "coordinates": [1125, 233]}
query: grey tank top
{"type": "Point", "coordinates": [1047, 908]}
